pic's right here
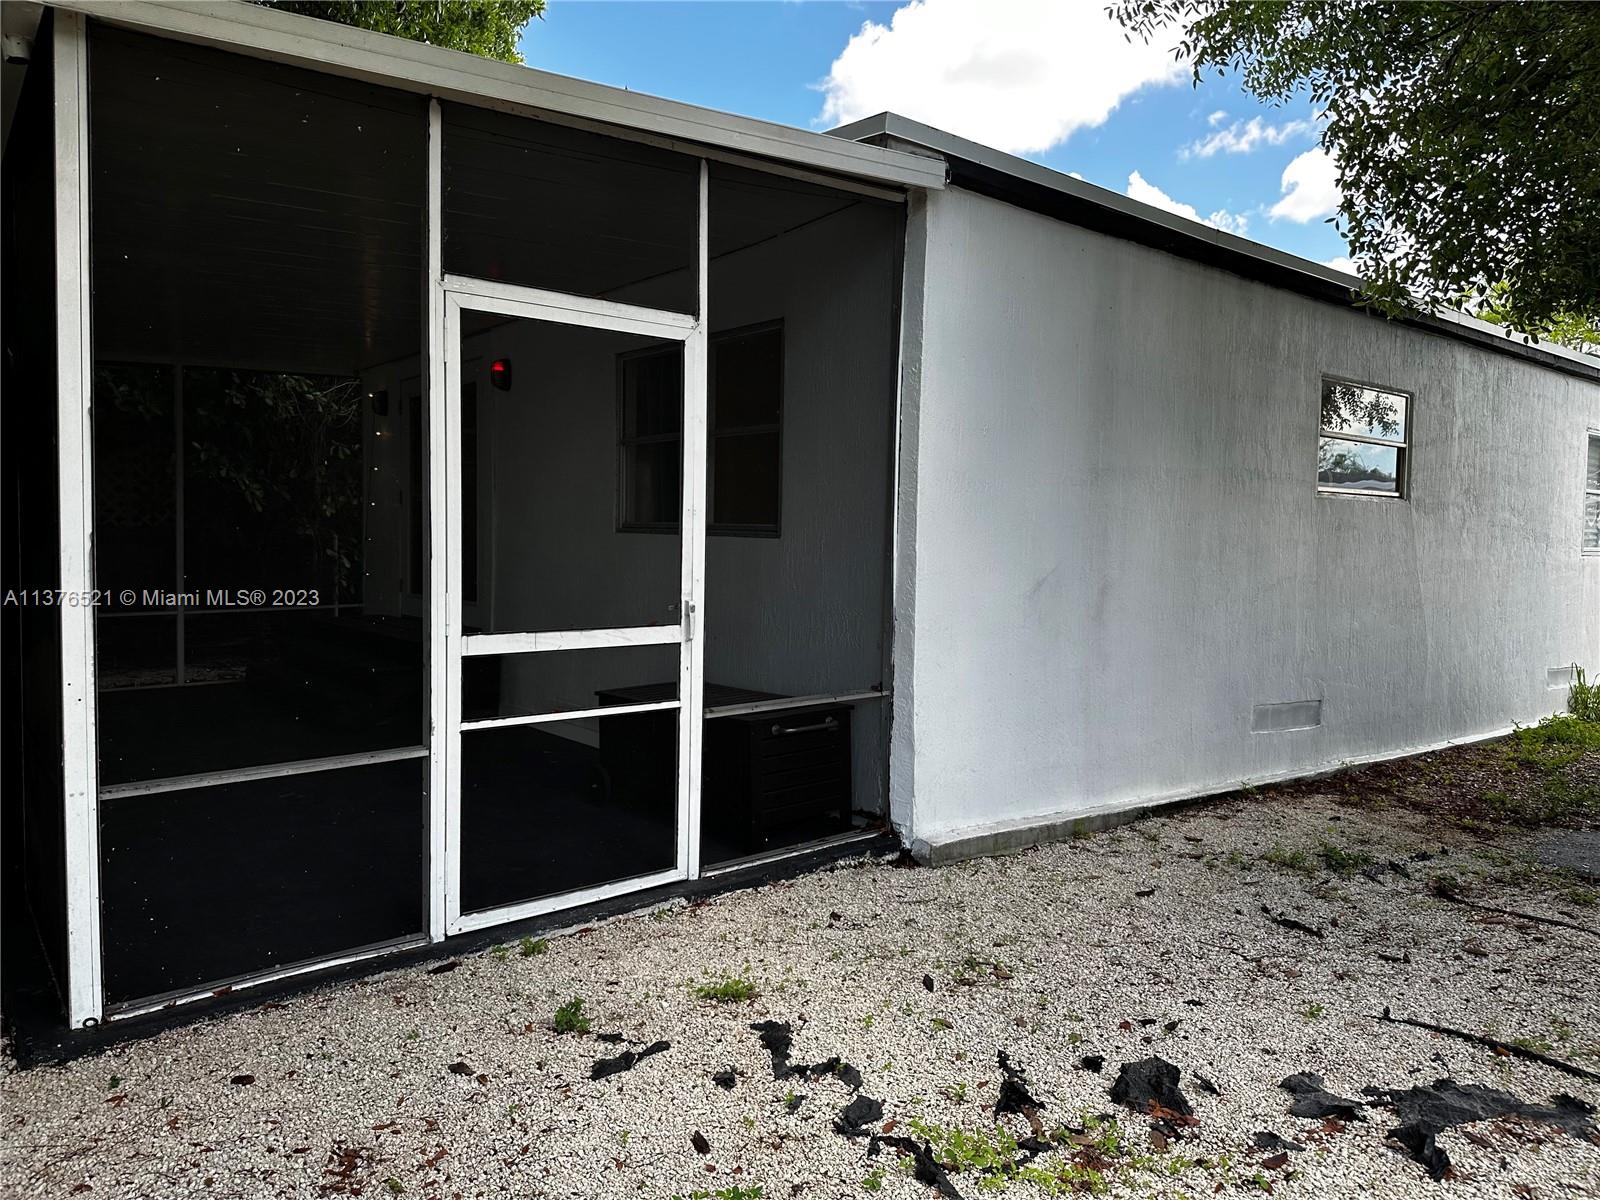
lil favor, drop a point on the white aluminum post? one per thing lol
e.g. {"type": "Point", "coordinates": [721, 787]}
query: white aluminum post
{"type": "Point", "coordinates": [691, 721]}
{"type": "Point", "coordinates": [74, 375]}
{"type": "Point", "coordinates": [447, 592]}
{"type": "Point", "coordinates": [440, 731]}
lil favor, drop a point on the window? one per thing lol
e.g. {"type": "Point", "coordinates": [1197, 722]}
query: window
{"type": "Point", "coordinates": [1591, 498]}
{"type": "Point", "coordinates": [1362, 447]}
{"type": "Point", "coordinates": [745, 458]}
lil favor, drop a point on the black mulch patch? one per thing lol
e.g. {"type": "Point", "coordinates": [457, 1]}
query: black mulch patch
{"type": "Point", "coordinates": [1266, 1140]}
{"type": "Point", "coordinates": [925, 1169]}
{"type": "Point", "coordinates": [1287, 922]}
{"type": "Point", "coordinates": [725, 1078]}
{"type": "Point", "coordinates": [625, 1061]}
{"type": "Point", "coordinates": [778, 1037]}
{"type": "Point", "coordinates": [858, 1117]}
{"type": "Point", "coordinates": [1014, 1096]}
{"type": "Point", "coordinates": [1150, 1086]}
{"type": "Point", "coordinates": [1311, 1099]}
{"type": "Point", "coordinates": [1427, 1111]}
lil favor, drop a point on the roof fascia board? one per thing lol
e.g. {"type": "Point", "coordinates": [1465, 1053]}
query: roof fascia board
{"type": "Point", "coordinates": [1029, 185]}
{"type": "Point", "coordinates": [470, 79]}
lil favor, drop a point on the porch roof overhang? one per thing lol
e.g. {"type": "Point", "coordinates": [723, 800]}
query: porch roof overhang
{"type": "Point", "coordinates": [979, 168]}
{"type": "Point", "coordinates": [400, 63]}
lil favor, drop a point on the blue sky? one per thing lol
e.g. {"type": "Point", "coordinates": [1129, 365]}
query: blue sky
{"type": "Point", "coordinates": [1052, 80]}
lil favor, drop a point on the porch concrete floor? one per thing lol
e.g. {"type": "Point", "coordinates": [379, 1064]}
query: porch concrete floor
{"type": "Point", "coordinates": [352, 1091]}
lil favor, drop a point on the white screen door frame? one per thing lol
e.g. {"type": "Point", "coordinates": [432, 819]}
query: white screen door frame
{"type": "Point", "coordinates": [463, 294]}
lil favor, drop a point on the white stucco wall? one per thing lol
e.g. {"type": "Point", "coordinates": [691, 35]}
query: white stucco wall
{"type": "Point", "coordinates": [1113, 547]}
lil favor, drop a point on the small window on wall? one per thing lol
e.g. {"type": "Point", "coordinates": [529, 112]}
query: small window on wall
{"type": "Point", "coordinates": [745, 458]}
{"type": "Point", "coordinates": [1591, 498]}
{"type": "Point", "coordinates": [1362, 447]}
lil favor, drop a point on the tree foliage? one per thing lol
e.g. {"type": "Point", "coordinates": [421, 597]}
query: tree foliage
{"type": "Point", "coordinates": [1466, 135]}
{"type": "Point", "coordinates": [490, 28]}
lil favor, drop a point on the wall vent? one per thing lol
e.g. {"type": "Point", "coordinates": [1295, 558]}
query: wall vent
{"type": "Point", "coordinates": [1292, 714]}
{"type": "Point", "coordinates": [1559, 677]}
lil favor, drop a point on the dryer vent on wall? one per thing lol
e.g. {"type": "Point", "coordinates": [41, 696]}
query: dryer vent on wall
{"type": "Point", "coordinates": [1293, 714]}
{"type": "Point", "coordinates": [1559, 677]}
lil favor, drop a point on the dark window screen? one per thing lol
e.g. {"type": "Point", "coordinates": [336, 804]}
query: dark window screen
{"type": "Point", "coordinates": [556, 807]}
{"type": "Point", "coordinates": [213, 883]}
{"type": "Point", "coordinates": [538, 204]}
{"type": "Point", "coordinates": [803, 293]}
{"type": "Point", "coordinates": [257, 250]}
{"type": "Point", "coordinates": [257, 246]}
{"type": "Point", "coordinates": [540, 500]}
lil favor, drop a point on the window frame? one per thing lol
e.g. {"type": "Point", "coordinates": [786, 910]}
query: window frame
{"type": "Point", "coordinates": [626, 443]}
{"type": "Point", "coordinates": [1590, 443]}
{"type": "Point", "coordinates": [713, 433]}
{"type": "Point", "coordinates": [1402, 482]}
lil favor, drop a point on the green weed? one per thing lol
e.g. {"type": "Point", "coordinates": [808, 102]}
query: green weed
{"type": "Point", "coordinates": [1324, 856]}
{"type": "Point", "coordinates": [730, 989]}
{"type": "Point", "coordinates": [570, 1017]}
{"type": "Point", "coordinates": [1583, 697]}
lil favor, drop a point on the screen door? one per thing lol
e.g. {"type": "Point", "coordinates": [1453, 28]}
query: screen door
{"type": "Point", "coordinates": [569, 545]}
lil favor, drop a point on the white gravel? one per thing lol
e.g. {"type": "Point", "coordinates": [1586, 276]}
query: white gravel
{"type": "Point", "coordinates": [352, 1092]}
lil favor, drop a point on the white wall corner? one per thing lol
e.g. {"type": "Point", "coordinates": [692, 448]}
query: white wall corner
{"type": "Point", "coordinates": [902, 738]}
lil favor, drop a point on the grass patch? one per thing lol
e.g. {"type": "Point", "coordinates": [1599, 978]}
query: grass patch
{"type": "Point", "coordinates": [1324, 856]}
{"type": "Point", "coordinates": [570, 1017]}
{"type": "Point", "coordinates": [532, 947]}
{"type": "Point", "coordinates": [1553, 743]}
{"type": "Point", "coordinates": [730, 989]}
{"type": "Point", "coordinates": [1090, 1159]}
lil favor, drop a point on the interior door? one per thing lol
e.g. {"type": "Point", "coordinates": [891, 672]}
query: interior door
{"type": "Point", "coordinates": [572, 711]}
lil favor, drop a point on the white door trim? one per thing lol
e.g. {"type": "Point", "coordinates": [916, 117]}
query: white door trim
{"type": "Point", "coordinates": [537, 304]}
{"type": "Point", "coordinates": [570, 639]}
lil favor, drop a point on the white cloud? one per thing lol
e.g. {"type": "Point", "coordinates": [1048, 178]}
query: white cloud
{"type": "Point", "coordinates": [1140, 188]}
{"type": "Point", "coordinates": [1019, 75]}
{"type": "Point", "coordinates": [1217, 118]}
{"type": "Point", "coordinates": [1244, 136]}
{"type": "Point", "coordinates": [1342, 262]}
{"type": "Point", "coordinates": [1310, 188]}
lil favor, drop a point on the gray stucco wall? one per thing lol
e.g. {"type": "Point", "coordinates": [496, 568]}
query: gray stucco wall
{"type": "Point", "coordinates": [1112, 546]}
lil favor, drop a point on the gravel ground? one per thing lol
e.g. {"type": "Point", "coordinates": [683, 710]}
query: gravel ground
{"type": "Point", "coordinates": [456, 1085]}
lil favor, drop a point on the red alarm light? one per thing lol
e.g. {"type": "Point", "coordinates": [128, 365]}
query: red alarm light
{"type": "Point", "coordinates": [500, 374]}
